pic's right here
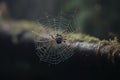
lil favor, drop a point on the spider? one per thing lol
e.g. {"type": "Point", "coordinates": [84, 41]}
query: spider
{"type": "Point", "coordinates": [58, 38]}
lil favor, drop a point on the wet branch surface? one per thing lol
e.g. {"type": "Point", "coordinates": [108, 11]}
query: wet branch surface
{"type": "Point", "coordinates": [95, 50]}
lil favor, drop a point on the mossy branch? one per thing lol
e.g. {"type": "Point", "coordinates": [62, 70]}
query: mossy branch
{"type": "Point", "coordinates": [82, 45]}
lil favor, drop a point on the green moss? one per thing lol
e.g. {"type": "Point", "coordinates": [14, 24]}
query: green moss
{"type": "Point", "coordinates": [81, 37]}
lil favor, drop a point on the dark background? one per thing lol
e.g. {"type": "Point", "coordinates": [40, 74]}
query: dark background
{"type": "Point", "coordinates": [93, 17]}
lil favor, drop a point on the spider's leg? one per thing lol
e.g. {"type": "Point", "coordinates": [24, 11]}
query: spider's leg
{"type": "Point", "coordinates": [35, 33]}
{"type": "Point", "coordinates": [52, 36]}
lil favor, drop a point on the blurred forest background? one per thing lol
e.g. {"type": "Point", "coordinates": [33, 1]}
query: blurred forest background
{"type": "Point", "coordinates": [93, 17]}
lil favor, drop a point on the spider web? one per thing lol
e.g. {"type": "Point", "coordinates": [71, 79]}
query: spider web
{"type": "Point", "coordinates": [58, 22]}
{"type": "Point", "coordinates": [47, 50]}
{"type": "Point", "coordinates": [53, 54]}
